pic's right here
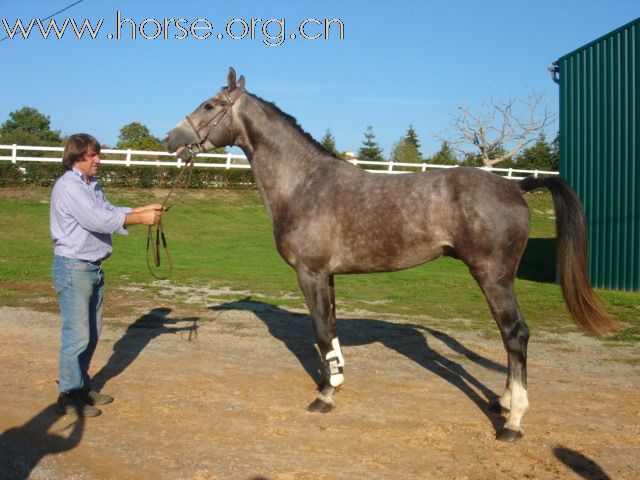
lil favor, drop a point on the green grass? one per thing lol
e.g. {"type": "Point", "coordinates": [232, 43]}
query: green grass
{"type": "Point", "coordinates": [223, 239]}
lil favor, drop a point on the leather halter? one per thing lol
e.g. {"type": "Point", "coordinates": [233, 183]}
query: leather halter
{"type": "Point", "coordinates": [188, 155]}
{"type": "Point", "coordinates": [231, 99]}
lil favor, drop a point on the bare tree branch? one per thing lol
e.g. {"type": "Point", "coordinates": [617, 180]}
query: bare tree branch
{"type": "Point", "coordinates": [489, 132]}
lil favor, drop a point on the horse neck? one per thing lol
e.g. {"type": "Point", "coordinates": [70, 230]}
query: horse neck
{"type": "Point", "coordinates": [280, 154]}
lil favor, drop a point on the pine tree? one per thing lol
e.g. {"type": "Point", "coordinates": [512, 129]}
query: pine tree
{"type": "Point", "coordinates": [405, 151]}
{"type": "Point", "coordinates": [444, 156]}
{"type": "Point", "coordinates": [412, 139]}
{"type": "Point", "coordinates": [329, 143]}
{"type": "Point", "coordinates": [541, 155]}
{"type": "Point", "coordinates": [370, 151]}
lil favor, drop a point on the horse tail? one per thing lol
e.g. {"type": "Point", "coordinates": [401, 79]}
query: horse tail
{"type": "Point", "coordinates": [572, 258]}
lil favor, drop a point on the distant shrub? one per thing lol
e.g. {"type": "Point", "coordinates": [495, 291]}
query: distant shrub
{"type": "Point", "coordinates": [45, 175]}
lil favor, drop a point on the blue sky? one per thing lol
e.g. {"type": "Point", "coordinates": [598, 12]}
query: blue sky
{"type": "Point", "coordinates": [400, 63]}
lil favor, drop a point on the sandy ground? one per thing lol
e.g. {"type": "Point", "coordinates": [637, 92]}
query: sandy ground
{"type": "Point", "coordinates": [221, 394]}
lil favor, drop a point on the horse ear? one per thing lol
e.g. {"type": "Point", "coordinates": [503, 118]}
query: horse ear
{"type": "Point", "coordinates": [241, 82]}
{"type": "Point", "coordinates": [231, 79]}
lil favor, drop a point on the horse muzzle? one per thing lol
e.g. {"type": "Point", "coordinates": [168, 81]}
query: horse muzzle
{"type": "Point", "coordinates": [181, 135]}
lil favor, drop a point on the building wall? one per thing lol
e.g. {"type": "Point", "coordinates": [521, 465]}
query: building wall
{"type": "Point", "coordinates": [599, 150]}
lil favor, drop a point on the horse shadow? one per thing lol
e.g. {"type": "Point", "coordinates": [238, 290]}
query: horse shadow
{"type": "Point", "coordinates": [538, 262]}
{"type": "Point", "coordinates": [295, 331]}
{"type": "Point", "coordinates": [138, 335]}
{"type": "Point", "coordinates": [22, 448]}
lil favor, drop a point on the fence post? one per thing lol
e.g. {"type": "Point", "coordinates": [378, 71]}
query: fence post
{"type": "Point", "coordinates": [128, 159]}
{"type": "Point", "coordinates": [228, 162]}
{"type": "Point", "coordinates": [390, 166]}
{"type": "Point", "coordinates": [14, 153]}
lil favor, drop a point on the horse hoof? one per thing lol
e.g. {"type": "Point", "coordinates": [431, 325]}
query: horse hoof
{"type": "Point", "coordinates": [320, 406]}
{"type": "Point", "coordinates": [508, 435]}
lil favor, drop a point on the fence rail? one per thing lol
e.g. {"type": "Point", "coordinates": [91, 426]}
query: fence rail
{"type": "Point", "coordinates": [229, 161]}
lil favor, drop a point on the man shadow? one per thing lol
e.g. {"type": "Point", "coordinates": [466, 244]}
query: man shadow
{"type": "Point", "coordinates": [581, 465]}
{"type": "Point", "coordinates": [295, 331]}
{"type": "Point", "coordinates": [138, 335]}
{"type": "Point", "coordinates": [22, 448]}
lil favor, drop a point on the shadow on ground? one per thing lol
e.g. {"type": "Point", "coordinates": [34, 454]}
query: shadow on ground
{"type": "Point", "coordinates": [583, 466]}
{"type": "Point", "coordinates": [295, 331]}
{"type": "Point", "coordinates": [22, 448]}
{"type": "Point", "coordinates": [538, 262]}
{"type": "Point", "coordinates": [138, 335]}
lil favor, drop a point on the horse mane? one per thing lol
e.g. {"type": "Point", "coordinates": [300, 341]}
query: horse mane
{"type": "Point", "coordinates": [293, 123]}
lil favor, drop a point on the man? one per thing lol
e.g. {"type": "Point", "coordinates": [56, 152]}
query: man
{"type": "Point", "coordinates": [82, 221]}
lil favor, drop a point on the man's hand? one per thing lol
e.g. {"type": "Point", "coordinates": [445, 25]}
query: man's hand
{"type": "Point", "coordinates": [147, 215]}
{"type": "Point", "coordinates": [153, 206]}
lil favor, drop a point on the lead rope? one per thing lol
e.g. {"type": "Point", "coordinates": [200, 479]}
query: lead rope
{"type": "Point", "coordinates": [192, 150]}
{"type": "Point", "coordinates": [153, 245]}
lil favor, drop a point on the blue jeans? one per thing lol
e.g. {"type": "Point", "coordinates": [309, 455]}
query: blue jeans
{"type": "Point", "coordinates": [79, 285]}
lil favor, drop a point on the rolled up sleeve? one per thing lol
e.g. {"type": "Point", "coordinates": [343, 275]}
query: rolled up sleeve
{"type": "Point", "coordinates": [94, 214]}
{"type": "Point", "coordinates": [82, 220]}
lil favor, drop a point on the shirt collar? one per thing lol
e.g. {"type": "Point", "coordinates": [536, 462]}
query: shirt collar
{"type": "Point", "coordinates": [92, 179]}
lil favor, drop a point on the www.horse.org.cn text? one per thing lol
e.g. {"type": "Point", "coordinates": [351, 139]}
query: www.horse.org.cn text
{"type": "Point", "coordinates": [271, 32]}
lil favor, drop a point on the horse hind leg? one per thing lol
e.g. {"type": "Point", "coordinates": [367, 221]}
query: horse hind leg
{"type": "Point", "coordinates": [515, 335]}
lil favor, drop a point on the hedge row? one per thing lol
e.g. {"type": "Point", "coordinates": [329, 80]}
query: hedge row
{"type": "Point", "coordinates": [45, 174]}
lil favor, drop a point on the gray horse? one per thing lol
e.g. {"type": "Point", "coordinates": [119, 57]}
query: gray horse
{"type": "Point", "coordinates": [400, 221]}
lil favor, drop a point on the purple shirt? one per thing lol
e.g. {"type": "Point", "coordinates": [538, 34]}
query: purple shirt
{"type": "Point", "coordinates": [82, 220]}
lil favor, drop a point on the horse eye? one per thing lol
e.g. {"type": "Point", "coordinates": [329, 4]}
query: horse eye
{"type": "Point", "coordinates": [208, 106]}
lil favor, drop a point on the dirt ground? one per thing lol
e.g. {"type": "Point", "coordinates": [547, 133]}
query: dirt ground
{"type": "Point", "coordinates": [220, 392]}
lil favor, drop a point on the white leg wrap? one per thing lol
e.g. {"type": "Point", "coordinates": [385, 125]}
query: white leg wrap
{"type": "Point", "coordinates": [335, 364]}
{"type": "Point", "coordinates": [519, 406]}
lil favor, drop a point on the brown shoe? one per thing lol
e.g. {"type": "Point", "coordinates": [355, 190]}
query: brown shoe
{"type": "Point", "coordinates": [72, 402]}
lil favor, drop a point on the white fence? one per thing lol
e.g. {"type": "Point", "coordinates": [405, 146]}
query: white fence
{"type": "Point", "coordinates": [128, 157]}
{"type": "Point", "coordinates": [226, 161]}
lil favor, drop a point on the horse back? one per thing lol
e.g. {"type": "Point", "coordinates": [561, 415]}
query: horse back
{"type": "Point", "coordinates": [346, 220]}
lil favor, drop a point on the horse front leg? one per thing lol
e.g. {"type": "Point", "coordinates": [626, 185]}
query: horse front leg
{"type": "Point", "coordinates": [319, 294]}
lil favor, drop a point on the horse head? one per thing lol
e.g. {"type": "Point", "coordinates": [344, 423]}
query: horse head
{"type": "Point", "coordinates": [210, 125]}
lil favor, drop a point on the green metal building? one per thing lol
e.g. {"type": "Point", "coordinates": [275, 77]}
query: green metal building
{"type": "Point", "coordinates": [600, 149]}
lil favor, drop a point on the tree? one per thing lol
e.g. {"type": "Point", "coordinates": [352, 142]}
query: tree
{"type": "Point", "coordinates": [137, 136]}
{"type": "Point", "coordinates": [412, 139]}
{"type": "Point", "coordinates": [500, 125]}
{"type": "Point", "coordinates": [407, 149]}
{"type": "Point", "coordinates": [471, 159]}
{"type": "Point", "coordinates": [370, 151]}
{"type": "Point", "coordinates": [444, 156]}
{"type": "Point", "coordinates": [329, 143]}
{"type": "Point", "coordinates": [28, 126]}
{"type": "Point", "coordinates": [540, 156]}
{"type": "Point", "coordinates": [405, 152]}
